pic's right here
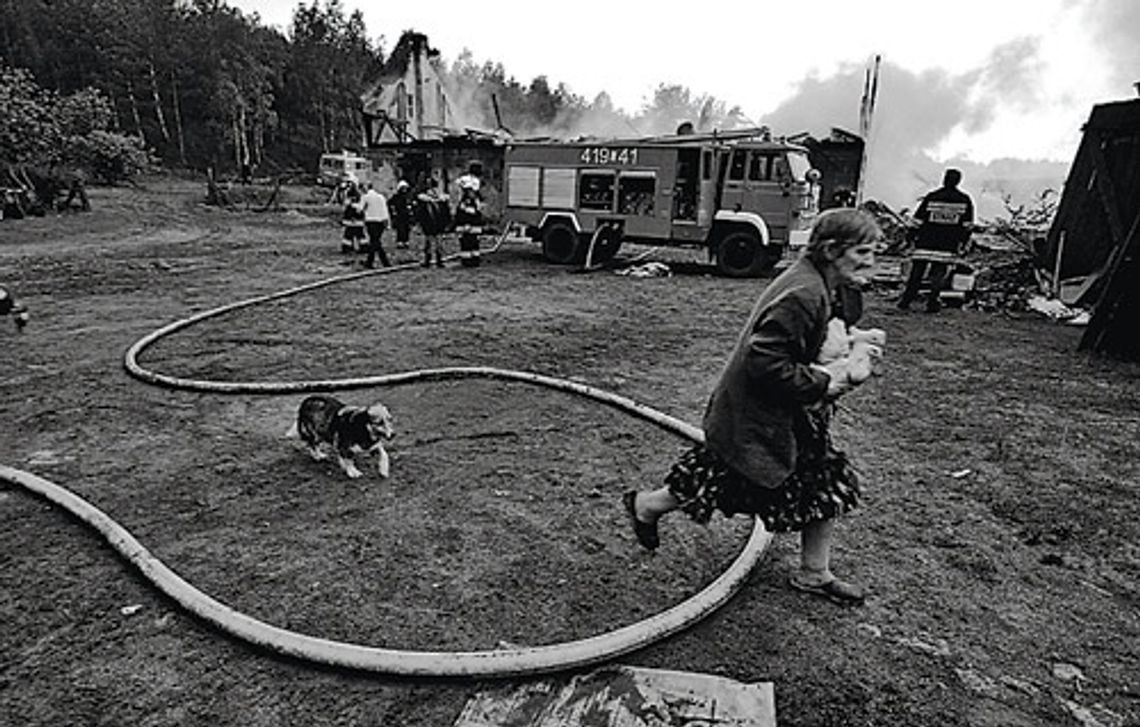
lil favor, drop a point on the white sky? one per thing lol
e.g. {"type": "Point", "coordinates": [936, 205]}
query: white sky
{"type": "Point", "coordinates": [752, 53]}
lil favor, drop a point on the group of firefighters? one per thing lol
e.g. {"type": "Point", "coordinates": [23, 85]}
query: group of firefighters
{"type": "Point", "coordinates": [945, 219]}
{"type": "Point", "coordinates": [370, 213]}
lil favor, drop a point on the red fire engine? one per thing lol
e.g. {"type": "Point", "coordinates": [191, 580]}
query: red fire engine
{"type": "Point", "coordinates": [747, 199]}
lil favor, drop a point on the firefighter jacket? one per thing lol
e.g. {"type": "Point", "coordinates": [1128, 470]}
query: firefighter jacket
{"type": "Point", "coordinates": [469, 210]}
{"type": "Point", "coordinates": [433, 213]}
{"type": "Point", "coordinates": [945, 216]}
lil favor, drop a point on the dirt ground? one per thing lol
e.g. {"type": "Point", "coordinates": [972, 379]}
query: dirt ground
{"type": "Point", "coordinates": [999, 538]}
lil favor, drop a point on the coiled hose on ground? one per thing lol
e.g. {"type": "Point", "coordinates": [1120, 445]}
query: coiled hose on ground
{"type": "Point", "coordinates": [514, 661]}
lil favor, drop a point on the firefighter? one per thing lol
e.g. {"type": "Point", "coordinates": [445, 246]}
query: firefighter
{"type": "Point", "coordinates": [946, 218]}
{"type": "Point", "coordinates": [400, 210]}
{"type": "Point", "coordinates": [469, 214]}
{"type": "Point", "coordinates": [433, 213]}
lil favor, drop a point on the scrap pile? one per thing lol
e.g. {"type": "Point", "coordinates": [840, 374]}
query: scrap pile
{"type": "Point", "coordinates": [1004, 284]}
{"type": "Point", "coordinates": [895, 227]}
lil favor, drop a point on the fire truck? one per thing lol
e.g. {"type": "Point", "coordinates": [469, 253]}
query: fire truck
{"type": "Point", "coordinates": [749, 200]}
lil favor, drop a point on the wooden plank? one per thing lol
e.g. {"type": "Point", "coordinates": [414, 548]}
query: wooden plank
{"type": "Point", "coordinates": [1107, 191]}
{"type": "Point", "coordinates": [624, 697]}
{"type": "Point", "coordinates": [1104, 312]}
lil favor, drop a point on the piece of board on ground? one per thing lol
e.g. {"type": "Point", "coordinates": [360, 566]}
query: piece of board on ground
{"type": "Point", "coordinates": [624, 696]}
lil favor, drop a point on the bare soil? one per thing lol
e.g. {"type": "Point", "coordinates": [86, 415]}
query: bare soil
{"type": "Point", "coordinates": [999, 538]}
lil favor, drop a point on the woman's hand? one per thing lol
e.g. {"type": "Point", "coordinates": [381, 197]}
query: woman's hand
{"type": "Point", "coordinates": [839, 378]}
{"type": "Point", "coordinates": [837, 342]}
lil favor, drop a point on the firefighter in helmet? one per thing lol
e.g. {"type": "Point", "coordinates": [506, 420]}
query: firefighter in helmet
{"type": "Point", "coordinates": [469, 214]}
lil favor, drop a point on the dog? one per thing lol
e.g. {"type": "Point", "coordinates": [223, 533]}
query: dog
{"type": "Point", "coordinates": [326, 422]}
{"type": "Point", "coordinates": [10, 306]}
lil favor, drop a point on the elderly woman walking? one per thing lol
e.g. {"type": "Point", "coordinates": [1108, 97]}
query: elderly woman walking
{"type": "Point", "coordinates": [768, 450]}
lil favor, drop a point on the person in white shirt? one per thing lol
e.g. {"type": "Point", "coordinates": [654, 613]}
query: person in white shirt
{"type": "Point", "coordinates": [375, 221]}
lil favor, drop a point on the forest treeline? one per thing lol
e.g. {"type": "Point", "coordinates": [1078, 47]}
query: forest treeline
{"type": "Point", "coordinates": [116, 84]}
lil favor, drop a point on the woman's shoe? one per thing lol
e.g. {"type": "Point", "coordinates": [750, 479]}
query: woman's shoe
{"type": "Point", "coordinates": [835, 590]}
{"type": "Point", "coordinates": [646, 532]}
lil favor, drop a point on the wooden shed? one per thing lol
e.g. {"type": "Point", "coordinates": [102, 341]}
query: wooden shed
{"type": "Point", "coordinates": [1094, 234]}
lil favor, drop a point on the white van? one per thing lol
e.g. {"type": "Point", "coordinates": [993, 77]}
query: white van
{"type": "Point", "coordinates": [341, 167]}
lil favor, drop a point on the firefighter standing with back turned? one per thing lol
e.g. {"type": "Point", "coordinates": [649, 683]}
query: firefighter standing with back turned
{"type": "Point", "coordinates": [469, 214]}
{"type": "Point", "coordinates": [946, 218]}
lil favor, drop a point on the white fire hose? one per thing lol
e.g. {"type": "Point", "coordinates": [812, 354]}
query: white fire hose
{"type": "Point", "coordinates": [515, 661]}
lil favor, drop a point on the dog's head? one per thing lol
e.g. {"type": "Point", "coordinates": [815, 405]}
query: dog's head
{"type": "Point", "coordinates": [380, 422]}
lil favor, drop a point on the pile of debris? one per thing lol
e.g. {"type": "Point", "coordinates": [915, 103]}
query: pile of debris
{"type": "Point", "coordinates": [896, 227]}
{"type": "Point", "coordinates": [1004, 285]}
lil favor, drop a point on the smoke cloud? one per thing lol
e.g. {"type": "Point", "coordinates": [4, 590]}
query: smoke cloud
{"type": "Point", "coordinates": [916, 112]}
{"type": "Point", "coordinates": [1115, 25]}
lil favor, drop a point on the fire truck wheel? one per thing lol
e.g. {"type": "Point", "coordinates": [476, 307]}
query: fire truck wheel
{"type": "Point", "coordinates": [740, 254]}
{"type": "Point", "coordinates": [560, 243]}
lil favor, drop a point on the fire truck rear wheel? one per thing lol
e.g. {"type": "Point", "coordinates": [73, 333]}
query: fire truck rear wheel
{"type": "Point", "coordinates": [560, 243]}
{"type": "Point", "coordinates": [741, 254]}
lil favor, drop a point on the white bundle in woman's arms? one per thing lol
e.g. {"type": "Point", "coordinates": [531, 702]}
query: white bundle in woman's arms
{"type": "Point", "coordinates": [866, 352]}
{"type": "Point", "coordinates": [861, 347]}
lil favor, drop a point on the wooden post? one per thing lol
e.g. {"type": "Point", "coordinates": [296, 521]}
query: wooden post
{"type": "Point", "coordinates": [1057, 265]}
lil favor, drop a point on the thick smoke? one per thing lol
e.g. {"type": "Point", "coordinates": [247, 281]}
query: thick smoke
{"type": "Point", "coordinates": [1115, 25]}
{"type": "Point", "coordinates": [915, 113]}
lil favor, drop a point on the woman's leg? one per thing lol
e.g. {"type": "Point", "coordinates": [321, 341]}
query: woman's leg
{"type": "Point", "coordinates": [815, 551]}
{"type": "Point", "coordinates": [652, 504]}
{"type": "Point", "coordinates": [815, 574]}
{"type": "Point", "coordinates": [644, 508]}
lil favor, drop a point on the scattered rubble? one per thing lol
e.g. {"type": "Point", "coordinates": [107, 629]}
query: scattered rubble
{"type": "Point", "coordinates": [646, 270]}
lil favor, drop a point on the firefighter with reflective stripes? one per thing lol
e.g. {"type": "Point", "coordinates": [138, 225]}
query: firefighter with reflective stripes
{"type": "Point", "coordinates": [469, 214]}
{"type": "Point", "coordinates": [946, 218]}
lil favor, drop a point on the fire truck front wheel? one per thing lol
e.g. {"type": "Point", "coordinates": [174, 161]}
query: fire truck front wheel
{"type": "Point", "coordinates": [741, 254]}
{"type": "Point", "coordinates": [560, 243]}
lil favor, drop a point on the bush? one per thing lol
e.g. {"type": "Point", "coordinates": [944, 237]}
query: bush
{"type": "Point", "coordinates": [108, 156]}
{"type": "Point", "coordinates": [41, 129]}
{"type": "Point", "coordinates": [28, 129]}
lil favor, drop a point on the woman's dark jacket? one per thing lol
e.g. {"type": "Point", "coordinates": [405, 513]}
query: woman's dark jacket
{"type": "Point", "coordinates": [768, 380]}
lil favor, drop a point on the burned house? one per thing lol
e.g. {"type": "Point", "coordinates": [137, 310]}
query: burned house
{"type": "Point", "coordinates": [839, 159]}
{"type": "Point", "coordinates": [413, 130]}
{"type": "Point", "coordinates": [416, 127]}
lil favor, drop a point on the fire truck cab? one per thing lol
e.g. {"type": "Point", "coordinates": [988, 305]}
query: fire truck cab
{"type": "Point", "coordinates": [747, 201]}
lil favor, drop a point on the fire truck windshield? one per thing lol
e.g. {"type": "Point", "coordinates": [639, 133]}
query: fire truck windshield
{"type": "Point", "coordinates": [798, 165]}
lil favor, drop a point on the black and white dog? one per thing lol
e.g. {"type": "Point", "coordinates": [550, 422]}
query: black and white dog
{"type": "Point", "coordinates": [325, 422]}
{"type": "Point", "coordinates": [10, 306]}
